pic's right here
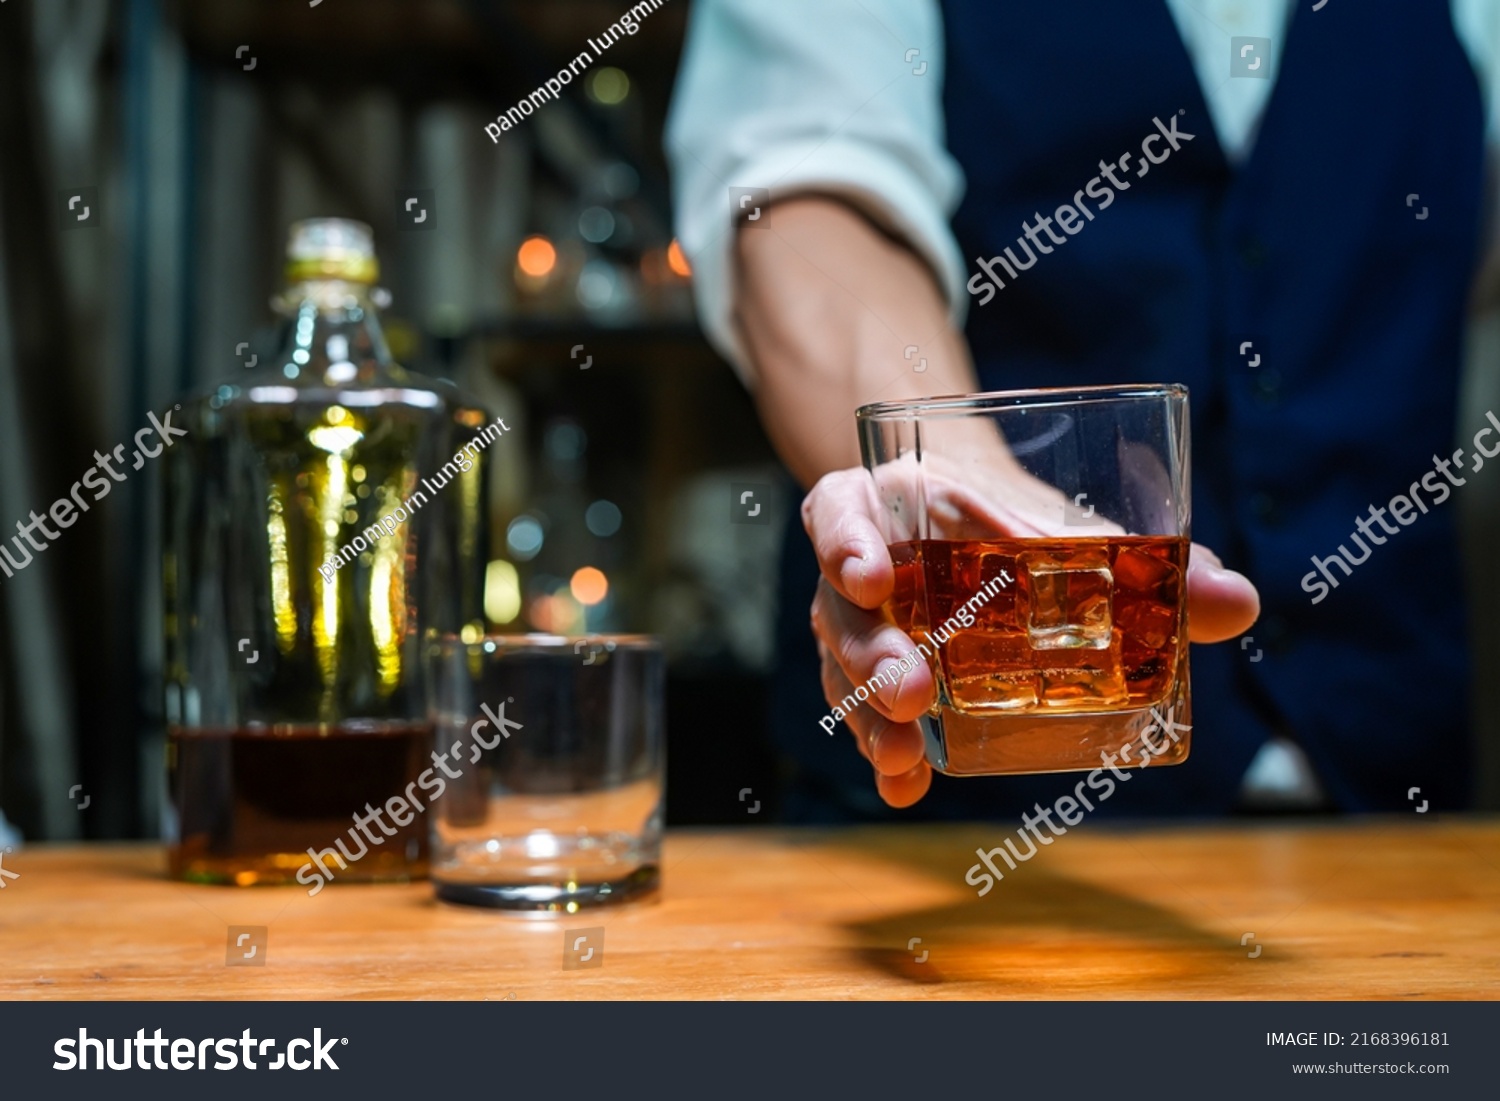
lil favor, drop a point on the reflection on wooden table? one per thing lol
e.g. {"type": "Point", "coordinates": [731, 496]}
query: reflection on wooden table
{"type": "Point", "coordinates": [1377, 909]}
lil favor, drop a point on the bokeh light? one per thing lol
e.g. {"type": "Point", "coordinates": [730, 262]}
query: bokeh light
{"type": "Point", "coordinates": [502, 591]}
{"type": "Point", "coordinates": [524, 538]}
{"type": "Point", "coordinates": [597, 285]}
{"type": "Point", "coordinates": [609, 86]}
{"type": "Point", "coordinates": [596, 225]}
{"type": "Point", "coordinates": [589, 586]}
{"type": "Point", "coordinates": [602, 518]}
{"type": "Point", "coordinates": [536, 257]}
{"type": "Point", "coordinates": [557, 614]}
{"type": "Point", "coordinates": [677, 260]}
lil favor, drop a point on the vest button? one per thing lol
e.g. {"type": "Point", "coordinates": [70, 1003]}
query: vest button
{"type": "Point", "coordinates": [1265, 509]}
{"type": "Point", "coordinates": [1253, 254]}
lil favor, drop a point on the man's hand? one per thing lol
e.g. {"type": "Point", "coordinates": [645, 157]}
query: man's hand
{"type": "Point", "coordinates": [844, 519]}
{"type": "Point", "coordinates": [825, 305]}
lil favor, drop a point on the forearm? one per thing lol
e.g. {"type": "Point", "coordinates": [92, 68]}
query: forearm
{"type": "Point", "coordinates": [826, 307]}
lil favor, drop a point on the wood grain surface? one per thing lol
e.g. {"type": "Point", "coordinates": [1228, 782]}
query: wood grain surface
{"type": "Point", "coordinates": [1379, 909]}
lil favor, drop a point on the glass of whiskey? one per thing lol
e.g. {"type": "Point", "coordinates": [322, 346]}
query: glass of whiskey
{"type": "Point", "coordinates": [1040, 542]}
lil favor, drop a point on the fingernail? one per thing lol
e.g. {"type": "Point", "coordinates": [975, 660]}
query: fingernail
{"type": "Point", "coordinates": [888, 693]}
{"type": "Point", "coordinates": [873, 743]}
{"type": "Point", "coordinates": [861, 566]}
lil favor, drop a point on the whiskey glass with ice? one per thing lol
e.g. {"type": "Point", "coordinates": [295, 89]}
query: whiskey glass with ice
{"type": "Point", "coordinates": [1040, 540]}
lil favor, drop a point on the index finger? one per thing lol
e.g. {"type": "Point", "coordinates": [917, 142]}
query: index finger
{"type": "Point", "coordinates": [838, 514]}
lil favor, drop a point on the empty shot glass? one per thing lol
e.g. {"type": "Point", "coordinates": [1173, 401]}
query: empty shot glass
{"type": "Point", "coordinates": [552, 751]}
{"type": "Point", "coordinates": [1040, 541]}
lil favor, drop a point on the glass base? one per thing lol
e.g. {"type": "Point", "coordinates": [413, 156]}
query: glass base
{"type": "Point", "coordinates": [566, 897]}
{"type": "Point", "coordinates": [1036, 742]}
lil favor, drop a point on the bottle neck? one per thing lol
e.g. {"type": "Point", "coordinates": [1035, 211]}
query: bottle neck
{"type": "Point", "coordinates": [333, 334]}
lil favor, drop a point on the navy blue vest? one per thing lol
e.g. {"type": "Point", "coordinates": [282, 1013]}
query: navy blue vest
{"type": "Point", "coordinates": [1355, 306]}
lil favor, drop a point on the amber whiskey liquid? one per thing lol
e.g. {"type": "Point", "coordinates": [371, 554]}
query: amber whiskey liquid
{"type": "Point", "coordinates": [1084, 625]}
{"type": "Point", "coordinates": [251, 801]}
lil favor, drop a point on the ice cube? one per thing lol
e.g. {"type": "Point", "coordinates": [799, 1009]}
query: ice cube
{"type": "Point", "coordinates": [989, 671]}
{"type": "Point", "coordinates": [998, 613]}
{"type": "Point", "coordinates": [1082, 678]}
{"type": "Point", "coordinates": [1141, 570]}
{"type": "Point", "coordinates": [1068, 599]}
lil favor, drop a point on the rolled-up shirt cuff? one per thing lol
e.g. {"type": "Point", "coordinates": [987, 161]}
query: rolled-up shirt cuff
{"type": "Point", "coordinates": [890, 194]}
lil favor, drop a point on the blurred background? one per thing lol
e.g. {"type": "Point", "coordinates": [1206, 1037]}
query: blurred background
{"type": "Point", "coordinates": [203, 130]}
{"type": "Point", "coordinates": [545, 280]}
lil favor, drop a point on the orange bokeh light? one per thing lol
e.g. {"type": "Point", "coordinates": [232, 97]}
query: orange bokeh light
{"type": "Point", "coordinates": [677, 260]}
{"type": "Point", "coordinates": [536, 257]}
{"type": "Point", "coordinates": [558, 614]}
{"type": "Point", "coordinates": [589, 586]}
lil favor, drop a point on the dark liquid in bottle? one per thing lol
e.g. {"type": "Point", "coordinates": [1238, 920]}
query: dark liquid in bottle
{"type": "Point", "coordinates": [252, 800]}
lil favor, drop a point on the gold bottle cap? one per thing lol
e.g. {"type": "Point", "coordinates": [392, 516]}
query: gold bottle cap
{"type": "Point", "coordinates": [331, 248]}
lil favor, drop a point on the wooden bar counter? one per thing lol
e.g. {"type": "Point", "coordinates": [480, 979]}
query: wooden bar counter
{"type": "Point", "coordinates": [1362, 909]}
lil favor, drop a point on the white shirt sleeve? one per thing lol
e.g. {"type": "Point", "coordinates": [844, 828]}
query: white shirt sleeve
{"type": "Point", "coordinates": [1477, 23]}
{"type": "Point", "coordinates": [840, 97]}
